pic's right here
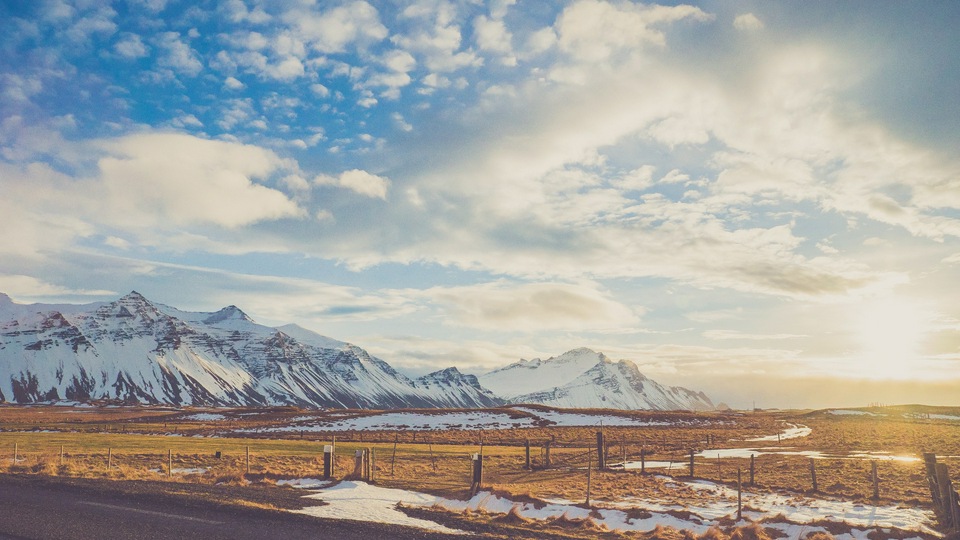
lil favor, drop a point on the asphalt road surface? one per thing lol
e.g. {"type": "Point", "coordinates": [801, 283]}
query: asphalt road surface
{"type": "Point", "coordinates": [56, 511]}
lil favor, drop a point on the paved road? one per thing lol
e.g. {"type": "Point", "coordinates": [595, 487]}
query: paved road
{"type": "Point", "coordinates": [54, 511]}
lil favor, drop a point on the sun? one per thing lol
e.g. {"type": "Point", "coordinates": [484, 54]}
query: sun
{"type": "Point", "coordinates": [890, 333]}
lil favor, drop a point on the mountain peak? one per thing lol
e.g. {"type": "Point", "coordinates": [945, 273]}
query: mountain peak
{"type": "Point", "coordinates": [134, 295]}
{"type": "Point", "coordinates": [229, 313]}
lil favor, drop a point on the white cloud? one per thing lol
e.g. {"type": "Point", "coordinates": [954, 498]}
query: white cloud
{"type": "Point", "coordinates": [28, 289]}
{"type": "Point", "coordinates": [178, 55]}
{"type": "Point", "coordinates": [747, 22]}
{"type": "Point", "coordinates": [232, 83]}
{"type": "Point", "coordinates": [130, 46]}
{"type": "Point", "coordinates": [737, 335]}
{"type": "Point", "coordinates": [208, 182]}
{"type": "Point", "coordinates": [334, 30]}
{"type": "Point", "coordinates": [362, 182]}
{"type": "Point", "coordinates": [436, 36]}
{"type": "Point", "coordinates": [593, 31]}
{"type": "Point", "coordinates": [534, 307]}
{"type": "Point", "coordinates": [320, 90]}
{"type": "Point", "coordinates": [492, 35]}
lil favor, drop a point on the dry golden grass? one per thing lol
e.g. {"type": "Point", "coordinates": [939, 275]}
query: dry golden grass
{"type": "Point", "coordinates": [439, 462]}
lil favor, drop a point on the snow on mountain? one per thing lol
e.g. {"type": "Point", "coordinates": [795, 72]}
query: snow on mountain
{"type": "Point", "coordinates": [138, 351]}
{"type": "Point", "coordinates": [456, 386]}
{"type": "Point", "coordinates": [583, 378]}
{"type": "Point", "coordinates": [531, 376]}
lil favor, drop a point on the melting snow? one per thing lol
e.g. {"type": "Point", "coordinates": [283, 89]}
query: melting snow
{"type": "Point", "coordinates": [205, 417]}
{"type": "Point", "coordinates": [792, 432]}
{"type": "Point", "coordinates": [415, 422]}
{"type": "Point", "coordinates": [304, 483]}
{"type": "Point", "coordinates": [361, 501]}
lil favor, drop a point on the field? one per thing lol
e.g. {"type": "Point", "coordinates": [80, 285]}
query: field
{"type": "Point", "coordinates": [427, 455]}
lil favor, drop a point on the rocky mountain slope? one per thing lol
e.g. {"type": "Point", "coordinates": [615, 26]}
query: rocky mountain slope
{"type": "Point", "coordinates": [582, 378]}
{"type": "Point", "coordinates": [137, 351]}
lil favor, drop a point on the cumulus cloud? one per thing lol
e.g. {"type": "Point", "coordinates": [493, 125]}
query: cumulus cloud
{"type": "Point", "coordinates": [535, 307]}
{"type": "Point", "coordinates": [207, 182]}
{"type": "Point", "coordinates": [130, 46]}
{"type": "Point", "coordinates": [593, 30]}
{"type": "Point", "coordinates": [362, 182]}
{"type": "Point", "coordinates": [178, 55]}
{"type": "Point", "coordinates": [163, 180]}
{"type": "Point", "coordinates": [334, 30]}
{"type": "Point", "coordinates": [747, 22]}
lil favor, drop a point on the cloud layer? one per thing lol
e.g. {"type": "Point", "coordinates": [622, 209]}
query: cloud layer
{"type": "Point", "coordinates": [635, 177]}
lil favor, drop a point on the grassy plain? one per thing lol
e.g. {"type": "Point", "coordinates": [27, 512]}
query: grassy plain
{"type": "Point", "coordinates": [136, 443]}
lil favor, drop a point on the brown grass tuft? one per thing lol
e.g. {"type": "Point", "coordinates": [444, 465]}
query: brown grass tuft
{"type": "Point", "coordinates": [513, 517]}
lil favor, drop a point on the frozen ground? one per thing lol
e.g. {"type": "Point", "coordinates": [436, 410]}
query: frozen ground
{"type": "Point", "coordinates": [414, 422]}
{"type": "Point", "coordinates": [441, 420]}
{"type": "Point", "coordinates": [360, 501]}
{"type": "Point", "coordinates": [791, 514]}
{"type": "Point", "coordinates": [791, 432]}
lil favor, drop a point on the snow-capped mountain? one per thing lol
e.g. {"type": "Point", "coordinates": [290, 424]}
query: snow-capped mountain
{"type": "Point", "coordinates": [582, 378]}
{"type": "Point", "coordinates": [138, 351]}
{"type": "Point", "coordinates": [455, 387]}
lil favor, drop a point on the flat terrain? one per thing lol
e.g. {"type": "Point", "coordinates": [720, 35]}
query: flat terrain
{"type": "Point", "coordinates": [430, 452]}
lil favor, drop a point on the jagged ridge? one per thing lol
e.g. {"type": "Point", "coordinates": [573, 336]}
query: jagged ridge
{"type": "Point", "coordinates": [137, 351]}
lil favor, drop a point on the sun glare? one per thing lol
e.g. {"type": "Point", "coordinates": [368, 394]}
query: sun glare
{"type": "Point", "coordinates": [890, 334]}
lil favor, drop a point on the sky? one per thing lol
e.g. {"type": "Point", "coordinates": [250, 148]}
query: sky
{"type": "Point", "coordinates": [760, 200]}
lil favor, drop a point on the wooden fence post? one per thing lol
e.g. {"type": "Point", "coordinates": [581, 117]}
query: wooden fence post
{"type": "Point", "coordinates": [946, 498]}
{"type": "Point", "coordinates": [327, 461]}
{"type": "Point", "coordinates": [601, 451]}
{"type": "Point", "coordinates": [61, 455]}
{"type": "Point", "coordinates": [590, 466]}
{"type": "Point", "coordinates": [643, 461]}
{"type": "Point", "coordinates": [393, 459]}
{"type": "Point", "coordinates": [16, 453]}
{"type": "Point", "coordinates": [719, 473]}
{"type": "Point", "coordinates": [546, 457]}
{"type": "Point", "coordinates": [433, 459]}
{"type": "Point", "coordinates": [739, 496]}
{"type": "Point", "coordinates": [109, 458]}
{"type": "Point", "coordinates": [333, 457]}
{"type": "Point", "coordinates": [527, 447]}
{"type": "Point", "coordinates": [169, 463]}
{"type": "Point", "coordinates": [752, 456]}
{"type": "Point", "coordinates": [691, 463]}
{"type": "Point", "coordinates": [813, 475]}
{"type": "Point", "coordinates": [373, 464]}
{"type": "Point", "coordinates": [248, 460]}
{"type": "Point", "coordinates": [477, 480]}
{"type": "Point", "coordinates": [623, 451]}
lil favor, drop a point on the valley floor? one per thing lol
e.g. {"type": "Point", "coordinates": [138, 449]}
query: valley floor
{"type": "Point", "coordinates": [422, 459]}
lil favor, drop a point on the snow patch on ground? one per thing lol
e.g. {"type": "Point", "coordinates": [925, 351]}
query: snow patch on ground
{"type": "Point", "coordinates": [566, 419]}
{"type": "Point", "coordinates": [414, 422]}
{"type": "Point", "coordinates": [362, 502]}
{"type": "Point", "coordinates": [466, 420]}
{"type": "Point", "coordinates": [845, 412]}
{"type": "Point", "coordinates": [304, 483]}
{"type": "Point", "coordinates": [791, 432]}
{"type": "Point", "coordinates": [205, 417]}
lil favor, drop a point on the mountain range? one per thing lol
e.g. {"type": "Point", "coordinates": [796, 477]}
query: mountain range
{"type": "Point", "coordinates": [133, 350]}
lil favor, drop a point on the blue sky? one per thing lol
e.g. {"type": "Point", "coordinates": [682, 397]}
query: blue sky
{"type": "Point", "coordinates": [760, 200]}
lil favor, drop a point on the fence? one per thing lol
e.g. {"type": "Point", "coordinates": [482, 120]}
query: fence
{"type": "Point", "coordinates": [444, 468]}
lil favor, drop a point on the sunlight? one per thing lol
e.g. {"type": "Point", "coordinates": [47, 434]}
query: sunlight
{"type": "Point", "coordinates": [890, 332]}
